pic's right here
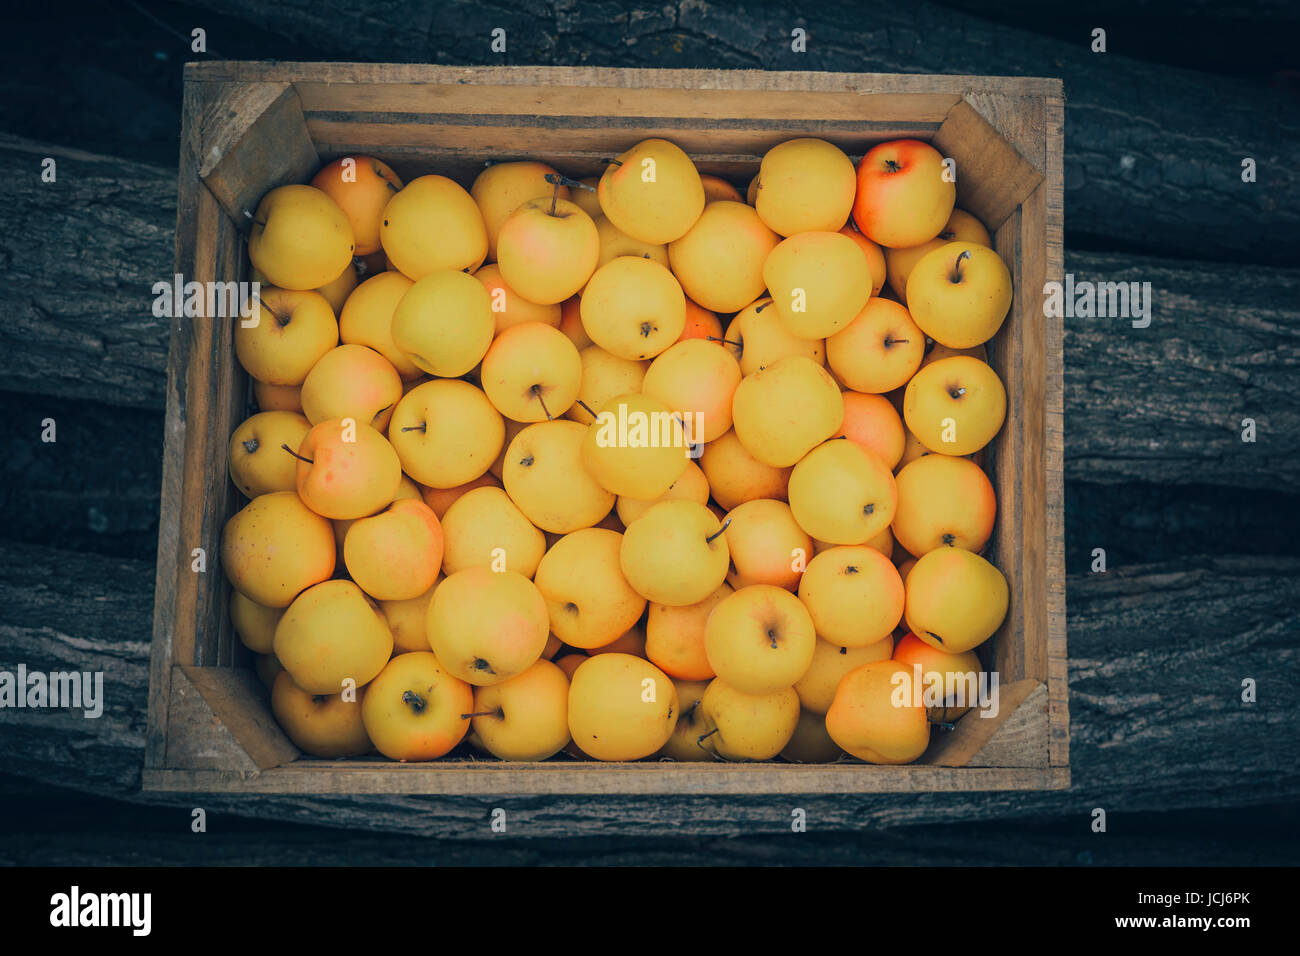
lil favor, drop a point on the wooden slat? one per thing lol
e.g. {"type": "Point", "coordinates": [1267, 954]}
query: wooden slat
{"type": "Point", "coordinates": [197, 739]}
{"type": "Point", "coordinates": [238, 701]}
{"type": "Point", "coordinates": [1022, 740]}
{"type": "Point", "coordinates": [1054, 488]}
{"type": "Point", "coordinates": [993, 179]}
{"type": "Point", "coordinates": [248, 138]}
{"type": "Point", "coordinates": [499, 778]}
{"type": "Point", "coordinates": [969, 737]}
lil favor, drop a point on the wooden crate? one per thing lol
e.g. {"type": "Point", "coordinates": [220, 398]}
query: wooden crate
{"type": "Point", "coordinates": [248, 127]}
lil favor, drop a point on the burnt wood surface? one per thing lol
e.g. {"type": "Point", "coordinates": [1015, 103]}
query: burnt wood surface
{"type": "Point", "coordinates": [1200, 528]}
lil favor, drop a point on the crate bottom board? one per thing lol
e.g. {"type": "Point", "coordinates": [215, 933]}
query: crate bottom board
{"type": "Point", "coordinates": [485, 777]}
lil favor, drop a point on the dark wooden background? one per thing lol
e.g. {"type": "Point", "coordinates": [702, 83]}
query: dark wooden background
{"type": "Point", "coordinates": [1200, 529]}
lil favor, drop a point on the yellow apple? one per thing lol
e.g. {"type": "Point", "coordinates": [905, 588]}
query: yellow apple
{"type": "Point", "coordinates": [444, 323]}
{"type": "Point", "coordinates": [275, 547]}
{"type": "Point", "coordinates": [547, 249]}
{"type": "Point", "coordinates": [961, 226]}
{"type": "Point", "coordinates": [415, 709]}
{"type": "Point", "coordinates": [603, 376]}
{"type": "Point", "coordinates": [485, 529]}
{"type": "Point", "coordinates": [960, 294]}
{"type": "Point", "coordinates": [432, 224]}
{"type": "Point", "coordinates": [367, 319]}
{"type": "Point", "coordinates": [396, 554]}
{"type": "Point", "coordinates": [254, 623]}
{"type": "Point", "coordinates": [300, 238]}
{"type": "Point", "coordinates": [543, 474]}
{"type": "Point", "coordinates": [684, 744]}
{"type": "Point", "coordinates": [614, 243]}
{"type": "Point", "coordinates": [955, 599]}
{"type": "Point", "coordinates": [330, 634]}
{"type": "Point", "coordinates": [816, 689]}
{"type": "Point", "coordinates": [787, 409]}
{"type": "Point", "coordinates": [293, 331]}
{"type": "Point", "coordinates": [362, 186]}
{"type": "Point", "coordinates": [258, 464]}
{"type": "Point", "coordinates": [408, 620]}
{"type": "Point", "coordinates": [509, 308]}
{"type": "Point", "coordinates": [590, 602]}
{"type": "Point", "coordinates": [697, 379]}
{"type": "Point", "coordinates": [278, 398]}
{"type": "Point", "coordinates": [620, 707]}
{"type": "Point", "coordinates": [875, 718]}
{"type": "Point", "coordinates": [767, 545]}
{"type": "Point", "coordinates": [503, 187]}
{"type": "Point", "coordinates": [322, 725]}
{"type": "Point", "coordinates": [525, 717]}
{"type": "Point", "coordinates": [760, 639]}
{"type": "Point", "coordinates": [633, 308]}
{"type": "Point", "coordinates": [758, 339]}
{"type": "Point", "coordinates": [818, 282]}
{"type": "Point", "coordinates": [879, 351]}
{"type": "Point", "coordinates": [532, 372]}
{"type": "Point", "coordinates": [953, 670]}
{"type": "Point", "coordinates": [691, 486]}
{"type": "Point", "coordinates": [652, 192]}
{"type": "Point", "coordinates": [811, 743]}
{"type": "Point", "coordinates": [487, 626]}
{"type": "Point", "coordinates": [854, 596]}
{"type": "Point", "coordinates": [955, 406]}
{"type": "Point", "coordinates": [841, 494]}
{"type": "Point", "coordinates": [805, 185]}
{"type": "Point", "coordinates": [736, 476]}
{"type": "Point", "coordinates": [446, 433]}
{"type": "Point", "coordinates": [347, 471]}
{"type": "Point", "coordinates": [440, 499]}
{"type": "Point", "coordinates": [719, 262]}
{"type": "Point", "coordinates": [741, 726]}
{"type": "Point", "coordinates": [674, 637]}
{"type": "Point", "coordinates": [351, 381]}
{"type": "Point", "coordinates": [676, 553]}
{"type": "Point", "coordinates": [635, 447]}
{"type": "Point", "coordinates": [872, 422]}
{"type": "Point", "coordinates": [943, 502]}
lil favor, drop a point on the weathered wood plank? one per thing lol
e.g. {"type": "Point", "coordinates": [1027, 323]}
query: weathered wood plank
{"type": "Point", "coordinates": [1158, 655]}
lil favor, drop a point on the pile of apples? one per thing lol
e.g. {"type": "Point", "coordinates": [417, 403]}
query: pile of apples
{"type": "Point", "coordinates": [461, 528]}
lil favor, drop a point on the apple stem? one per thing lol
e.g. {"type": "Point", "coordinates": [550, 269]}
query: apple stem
{"type": "Point", "coordinates": [555, 197]}
{"type": "Point", "coordinates": [537, 390]}
{"type": "Point", "coordinates": [892, 165]}
{"type": "Point", "coordinates": [559, 179]}
{"type": "Point", "coordinates": [700, 740]}
{"type": "Point", "coordinates": [588, 408]}
{"type": "Point", "coordinates": [614, 161]}
{"type": "Point", "coordinates": [956, 267]}
{"type": "Point", "coordinates": [260, 222]}
{"type": "Point", "coordinates": [484, 713]}
{"type": "Point", "coordinates": [413, 700]}
{"type": "Point", "coordinates": [709, 539]}
{"type": "Point", "coordinates": [935, 636]}
{"type": "Point", "coordinates": [725, 341]}
{"type": "Point", "coordinates": [762, 307]}
{"type": "Point", "coordinates": [414, 428]}
{"type": "Point", "coordinates": [296, 455]}
{"type": "Point", "coordinates": [957, 392]}
{"type": "Point", "coordinates": [946, 725]}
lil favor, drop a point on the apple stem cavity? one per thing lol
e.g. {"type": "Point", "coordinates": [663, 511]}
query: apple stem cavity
{"type": "Point", "coordinates": [956, 267]}
{"type": "Point", "coordinates": [537, 390]}
{"type": "Point", "coordinates": [413, 700]}
{"type": "Point", "coordinates": [296, 455]}
{"type": "Point", "coordinates": [480, 664]}
{"type": "Point", "coordinates": [709, 539]}
{"type": "Point", "coordinates": [957, 391]}
{"type": "Point", "coordinates": [250, 446]}
{"type": "Point", "coordinates": [771, 636]}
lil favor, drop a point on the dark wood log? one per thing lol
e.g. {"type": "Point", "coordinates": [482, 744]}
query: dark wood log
{"type": "Point", "coordinates": [76, 272]}
{"type": "Point", "coordinates": [1161, 404]}
{"type": "Point", "coordinates": [1158, 656]}
{"type": "Point", "coordinates": [1157, 172]}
